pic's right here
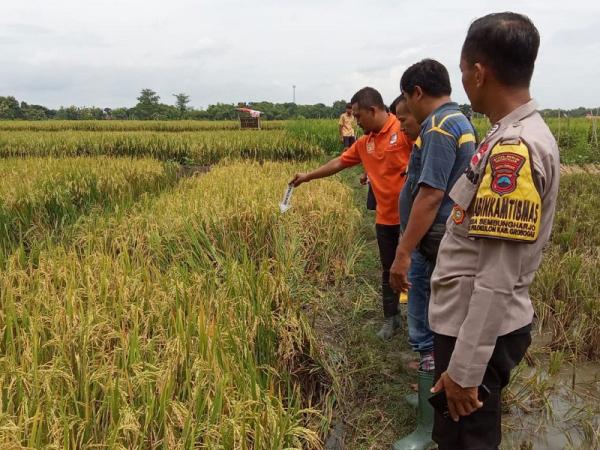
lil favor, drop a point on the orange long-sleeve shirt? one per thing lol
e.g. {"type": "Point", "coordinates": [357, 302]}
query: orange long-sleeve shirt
{"type": "Point", "coordinates": [384, 156]}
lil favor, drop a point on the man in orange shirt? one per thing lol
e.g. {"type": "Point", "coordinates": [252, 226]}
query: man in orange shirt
{"type": "Point", "coordinates": [384, 151]}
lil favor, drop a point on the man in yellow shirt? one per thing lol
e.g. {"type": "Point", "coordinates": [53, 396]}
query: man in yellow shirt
{"type": "Point", "coordinates": [347, 124]}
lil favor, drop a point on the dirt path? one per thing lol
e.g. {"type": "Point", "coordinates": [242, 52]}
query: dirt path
{"type": "Point", "coordinates": [371, 377]}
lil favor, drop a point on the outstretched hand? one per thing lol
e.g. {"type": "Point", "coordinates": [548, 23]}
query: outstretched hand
{"type": "Point", "coordinates": [299, 178]}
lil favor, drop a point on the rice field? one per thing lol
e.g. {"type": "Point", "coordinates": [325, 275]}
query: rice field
{"type": "Point", "coordinates": [206, 142]}
{"type": "Point", "coordinates": [567, 285]}
{"type": "Point", "coordinates": [202, 147]}
{"type": "Point", "coordinates": [131, 125]}
{"type": "Point", "coordinates": [143, 309]}
{"type": "Point", "coordinates": [576, 138]}
{"type": "Point", "coordinates": [176, 324]}
{"type": "Point", "coordinates": [40, 197]}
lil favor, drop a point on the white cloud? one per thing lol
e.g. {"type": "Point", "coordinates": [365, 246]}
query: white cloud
{"type": "Point", "coordinates": [104, 52]}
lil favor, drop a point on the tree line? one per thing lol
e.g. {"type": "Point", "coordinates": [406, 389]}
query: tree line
{"type": "Point", "coordinates": [149, 107]}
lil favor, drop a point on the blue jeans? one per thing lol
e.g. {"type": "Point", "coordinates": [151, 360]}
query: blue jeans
{"type": "Point", "coordinates": [420, 336]}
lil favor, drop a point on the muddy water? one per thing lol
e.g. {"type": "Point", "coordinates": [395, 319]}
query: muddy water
{"type": "Point", "coordinates": [555, 412]}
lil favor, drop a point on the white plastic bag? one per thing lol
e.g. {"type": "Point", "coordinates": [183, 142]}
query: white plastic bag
{"type": "Point", "coordinates": [287, 197]}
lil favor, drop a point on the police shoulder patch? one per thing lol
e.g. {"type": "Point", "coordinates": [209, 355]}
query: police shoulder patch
{"type": "Point", "coordinates": [507, 204]}
{"type": "Point", "coordinates": [505, 171]}
{"type": "Point", "coordinates": [458, 215]}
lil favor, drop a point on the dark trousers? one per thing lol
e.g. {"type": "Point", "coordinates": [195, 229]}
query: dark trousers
{"type": "Point", "coordinates": [482, 429]}
{"type": "Point", "coordinates": [348, 141]}
{"type": "Point", "coordinates": [387, 241]}
{"type": "Point", "coordinates": [371, 202]}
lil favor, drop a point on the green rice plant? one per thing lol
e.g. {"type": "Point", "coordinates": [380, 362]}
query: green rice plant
{"type": "Point", "coordinates": [321, 132]}
{"type": "Point", "coordinates": [577, 142]}
{"type": "Point", "coordinates": [566, 287]}
{"type": "Point", "coordinates": [177, 324]}
{"type": "Point", "coordinates": [131, 125]}
{"type": "Point", "coordinates": [482, 126]}
{"type": "Point", "coordinates": [197, 147]}
{"type": "Point", "coordinates": [40, 196]}
{"type": "Point", "coordinates": [574, 136]}
{"type": "Point", "coordinates": [574, 139]}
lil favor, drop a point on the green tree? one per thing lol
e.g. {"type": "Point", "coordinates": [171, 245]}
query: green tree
{"type": "Point", "coordinates": [148, 105]}
{"type": "Point", "coordinates": [10, 109]}
{"type": "Point", "coordinates": [36, 112]}
{"type": "Point", "coordinates": [339, 107]}
{"type": "Point", "coordinates": [221, 111]}
{"type": "Point", "coordinates": [181, 102]}
{"type": "Point", "coordinates": [148, 97]}
{"type": "Point", "coordinates": [466, 109]}
{"type": "Point", "coordinates": [68, 113]}
{"type": "Point", "coordinates": [120, 114]}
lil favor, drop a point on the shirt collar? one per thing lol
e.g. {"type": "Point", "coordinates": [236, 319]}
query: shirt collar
{"type": "Point", "coordinates": [451, 105]}
{"type": "Point", "coordinates": [521, 112]}
{"type": "Point", "coordinates": [386, 127]}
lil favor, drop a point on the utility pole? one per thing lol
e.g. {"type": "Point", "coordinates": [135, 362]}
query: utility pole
{"type": "Point", "coordinates": [294, 97]}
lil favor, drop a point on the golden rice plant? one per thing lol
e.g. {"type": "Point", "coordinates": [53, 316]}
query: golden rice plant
{"type": "Point", "coordinates": [197, 147]}
{"type": "Point", "coordinates": [39, 196]}
{"type": "Point", "coordinates": [178, 324]}
{"type": "Point", "coordinates": [131, 125]}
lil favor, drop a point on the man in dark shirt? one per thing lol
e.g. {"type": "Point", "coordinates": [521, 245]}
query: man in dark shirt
{"type": "Point", "coordinates": [440, 155]}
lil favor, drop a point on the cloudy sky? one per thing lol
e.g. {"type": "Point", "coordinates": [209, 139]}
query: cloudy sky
{"type": "Point", "coordinates": [102, 52]}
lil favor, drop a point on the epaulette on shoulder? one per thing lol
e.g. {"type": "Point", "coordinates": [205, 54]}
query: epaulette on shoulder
{"type": "Point", "coordinates": [512, 134]}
